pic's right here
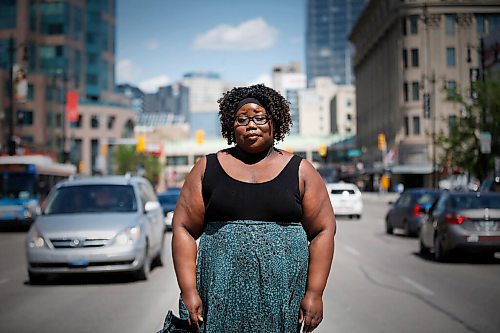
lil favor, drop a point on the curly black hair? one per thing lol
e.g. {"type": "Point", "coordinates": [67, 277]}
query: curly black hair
{"type": "Point", "coordinates": [277, 108]}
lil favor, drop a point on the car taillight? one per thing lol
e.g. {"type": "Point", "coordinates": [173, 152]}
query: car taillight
{"type": "Point", "coordinates": [417, 210]}
{"type": "Point", "coordinates": [455, 219]}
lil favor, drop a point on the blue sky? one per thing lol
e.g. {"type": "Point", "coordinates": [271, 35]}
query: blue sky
{"type": "Point", "coordinates": [158, 41]}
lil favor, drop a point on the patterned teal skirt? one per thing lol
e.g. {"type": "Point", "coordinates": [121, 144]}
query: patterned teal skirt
{"type": "Point", "coordinates": [251, 276]}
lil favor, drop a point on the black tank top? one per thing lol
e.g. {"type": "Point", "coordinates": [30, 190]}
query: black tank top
{"type": "Point", "coordinates": [228, 199]}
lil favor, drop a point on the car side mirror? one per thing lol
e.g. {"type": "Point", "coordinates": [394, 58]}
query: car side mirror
{"type": "Point", "coordinates": [151, 205]}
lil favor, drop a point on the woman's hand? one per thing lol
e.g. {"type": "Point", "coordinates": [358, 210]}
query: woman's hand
{"type": "Point", "coordinates": [192, 301]}
{"type": "Point", "coordinates": [311, 311]}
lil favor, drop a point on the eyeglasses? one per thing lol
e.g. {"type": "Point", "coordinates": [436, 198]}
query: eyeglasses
{"type": "Point", "coordinates": [258, 120]}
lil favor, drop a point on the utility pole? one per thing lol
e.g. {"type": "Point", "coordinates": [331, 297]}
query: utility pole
{"type": "Point", "coordinates": [482, 126]}
{"type": "Point", "coordinates": [11, 143]}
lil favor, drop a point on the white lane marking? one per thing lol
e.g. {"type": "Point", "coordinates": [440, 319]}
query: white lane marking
{"type": "Point", "coordinates": [417, 286]}
{"type": "Point", "coordinates": [351, 250]}
{"type": "Point", "coordinates": [2, 281]}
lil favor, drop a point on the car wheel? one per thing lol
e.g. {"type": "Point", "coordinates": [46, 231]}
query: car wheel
{"type": "Point", "coordinates": [439, 252]}
{"type": "Point", "coordinates": [388, 228]}
{"type": "Point", "coordinates": [37, 278]}
{"type": "Point", "coordinates": [424, 250]}
{"type": "Point", "coordinates": [143, 272]}
{"type": "Point", "coordinates": [161, 257]}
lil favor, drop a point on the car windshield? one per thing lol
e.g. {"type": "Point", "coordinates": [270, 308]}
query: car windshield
{"type": "Point", "coordinates": [475, 201]}
{"type": "Point", "coordinates": [92, 199]}
{"type": "Point", "coordinates": [170, 198]}
{"type": "Point", "coordinates": [427, 198]}
{"type": "Point", "coordinates": [342, 191]}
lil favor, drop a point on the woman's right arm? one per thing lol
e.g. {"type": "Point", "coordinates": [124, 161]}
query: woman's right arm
{"type": "Point", "coordinates": [187, 226]}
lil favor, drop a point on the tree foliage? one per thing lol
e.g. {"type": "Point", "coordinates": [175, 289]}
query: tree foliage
{"type": "Point", "coordinates": [127, 159]}
{"type": "Point", "coordinates": [461, 147]}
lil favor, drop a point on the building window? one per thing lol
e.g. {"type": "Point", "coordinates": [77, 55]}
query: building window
{"type": "Point", "coordinates": [414, 57]}
{"type": "Point", "coordinates": [407, 126]}
{"type": "Point", "coordinates": [405, 58]}
{"type": "Point", "coordinates": [349, 117]}
{"type": "Point", "coordinates": [27, 139]}
{"type": "Point", "coordinates": [450, 22]}
{"type": "Point", "coordinates": [416, 125]}
{"type": "Point", "coordinates": [451, 88]}
{"type": "Point", "coordinates": [59, 120]}
{"type": "Point", "coordinates": [415, 91]}
{"type": "Point", "coordinates": [50, 118]}
{"type": "Point", "coordinates": [177, 160]}
{"type": "Point", "coordinates": [403, 26]}
{"type": "Point", "coordinates": [111, 122]}
{"type": "Point", "coordinates": [480, 26]}
{"type": "Point", "coordinates": [414, 24]}
{"type": "Point", "coordinates": [405, 91]}
{"type": "Point", "coordinates": [452, 122]}
{"type": "Point", "coordinates": [450, 57]}
{"type": "Point", "coordinates": [348, 103]}
{"type": "Point", "coordinates": [78, 123]}
{"type": "Point", "coordinates": [92, 79]}
{"type": "Point", "coordinates": [8, 14]}
{"type": "Point", "coordinates": [94, 121]}
{"type": "Point", "coordinates": [31, 92]}
{"type": "Point", "coordinates": [24, 118]}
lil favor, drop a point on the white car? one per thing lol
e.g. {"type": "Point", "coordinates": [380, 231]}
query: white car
{"type": "Point", "coordinates": [345, 199]}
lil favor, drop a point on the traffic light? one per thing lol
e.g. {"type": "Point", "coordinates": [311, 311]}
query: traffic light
{"type": "Point", "coordinates": [200, 136]}
{"type": "Point", "coordinates": [141, 144]}
{"type": "Point", "coordinates": [381, 141]}
{"type": "Point", "coordinates": [323, 151]}
{"type": "Point", "coordinates": [11, 147]}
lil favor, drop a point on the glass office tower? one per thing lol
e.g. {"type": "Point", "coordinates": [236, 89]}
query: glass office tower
{"type": "Point", "coordinates": [328, 52]}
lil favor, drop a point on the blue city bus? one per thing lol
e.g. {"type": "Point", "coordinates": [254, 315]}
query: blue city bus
{"type": "Point", "coordinates": [25, 181]}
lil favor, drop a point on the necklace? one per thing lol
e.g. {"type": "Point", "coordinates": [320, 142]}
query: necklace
{"type": "Point", "coordinates": [250, 158]}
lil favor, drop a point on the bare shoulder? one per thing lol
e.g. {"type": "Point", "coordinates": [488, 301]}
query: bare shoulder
{"type": "Point", "coordinates": [197, 172]}
{"type": "Point", "coordinates": [307, 171]}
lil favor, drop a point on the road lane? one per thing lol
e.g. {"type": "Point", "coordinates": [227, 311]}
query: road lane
{"type": "Point", "coordinates": [379, 283]}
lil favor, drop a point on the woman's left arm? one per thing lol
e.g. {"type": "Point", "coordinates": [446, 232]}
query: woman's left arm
{"type": "Point", "coordinates": [320, 226]}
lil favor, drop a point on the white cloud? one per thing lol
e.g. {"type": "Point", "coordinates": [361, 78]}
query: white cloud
{"type": "Point", "coordinates": [126, 71]}
{"type": "Point", "coordinates": [153, 44]}
{"type": "Point", "coordinates": [265, 79]}
{"type": "Point", "coordinates": [151, 85]}
{"type": "Point", "coordinates": [254, 34]}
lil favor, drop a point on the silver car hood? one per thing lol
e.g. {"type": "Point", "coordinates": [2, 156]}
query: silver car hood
{"type": "Point", "coordinates": [98, 225]}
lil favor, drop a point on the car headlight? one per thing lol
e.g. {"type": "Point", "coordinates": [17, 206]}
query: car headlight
{"type": "Point", "coordinates": [128, 236]}
{"type": "Point", "coordinates": [35, 239]}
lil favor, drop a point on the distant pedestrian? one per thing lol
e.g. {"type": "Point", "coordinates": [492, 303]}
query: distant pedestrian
{"type": "Point", "coordinates": [265, 223]}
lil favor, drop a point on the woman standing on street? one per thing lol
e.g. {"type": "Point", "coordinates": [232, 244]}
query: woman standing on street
{"type": "Point", "coordinates": [265, 223]}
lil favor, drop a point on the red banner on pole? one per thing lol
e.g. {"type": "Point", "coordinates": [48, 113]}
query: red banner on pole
{"type": "Point", "coordinates": [72, 106]}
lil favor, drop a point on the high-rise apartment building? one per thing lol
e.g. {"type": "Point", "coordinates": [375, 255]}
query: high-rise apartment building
{"type": "Point", "coordinates": [328, 52]}
{"type": "Point", "coordinates": [61, 46]}
{"type": "Point", "coordinates": [411, 58]}
{"type": "Point", "coordinates": [288, 80]}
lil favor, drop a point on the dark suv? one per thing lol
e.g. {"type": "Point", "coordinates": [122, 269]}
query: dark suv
{"type": "Point", "coordinates": [408, 211]}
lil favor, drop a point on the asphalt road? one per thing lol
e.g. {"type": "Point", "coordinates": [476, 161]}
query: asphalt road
{"type": "Point", "coordinates": [379, 283]}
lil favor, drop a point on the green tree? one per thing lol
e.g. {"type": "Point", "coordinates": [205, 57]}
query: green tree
{"type": "Point", "coordinates": [461, 147]}
{"type": "Point", "coordinates": [127, 159]}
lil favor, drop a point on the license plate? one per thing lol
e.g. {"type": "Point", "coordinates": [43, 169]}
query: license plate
{"type": "Point", "coordinates": [78, 263]}
{"type": "Point", "coordinates": [487, 225]}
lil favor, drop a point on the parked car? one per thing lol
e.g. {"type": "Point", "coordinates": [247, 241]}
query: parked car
{"type": "Point", "coordinates": [168, 201]}
{"type": "Point", "coordinates": [407, 212]}
{"type": "Point", "coordinates": [97, 224]}
{"type": "Point", "coordinates": [462, 221]}
{"type": "Point", "coordinates": [346, 199]}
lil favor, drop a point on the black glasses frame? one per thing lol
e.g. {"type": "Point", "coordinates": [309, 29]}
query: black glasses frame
{"type": "Point", "coordinates": [248, 119]}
